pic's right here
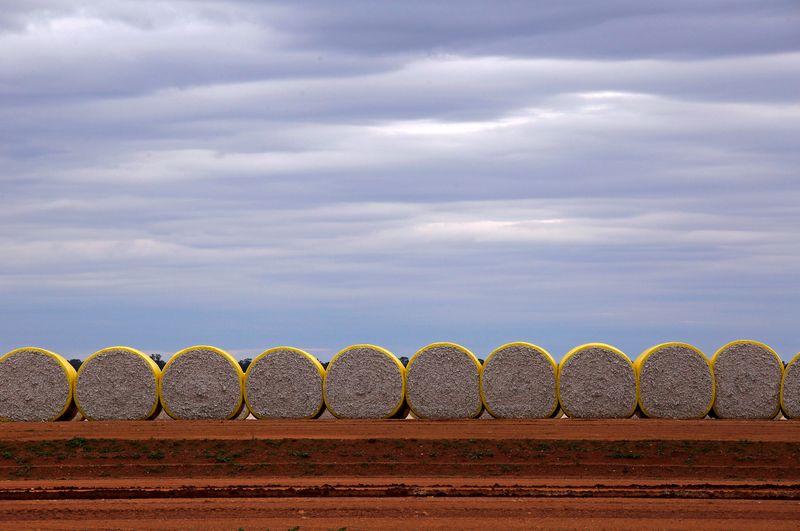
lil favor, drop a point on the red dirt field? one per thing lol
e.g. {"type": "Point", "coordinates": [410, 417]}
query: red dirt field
{"type": "Point", "coordinates": [401, 474]}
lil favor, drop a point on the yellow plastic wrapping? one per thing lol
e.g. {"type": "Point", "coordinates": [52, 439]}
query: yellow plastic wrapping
{"type": "Point", "coordinates": [751, 342]}
{"type": "Point", "coordinates": [230, 359]}
{"type": "Point", "coordinates": [68, 411]}
{"type": "Point", "coordinates": [528, 345]}
{"type": "Point", "coordinates": [469, 354]}
{"type": "Point", "coordinates": [642, 358]}
{"type": "Point", "coordinates": [303, 353]}
{"type": "Point", "coordinates": [152, 365]}
{"type": "Point", "coordinates": [383, 351]}
{"type": "Point", "coordinates": [586, 346]}
{"type": "Point", "coordinates": [786, 413]}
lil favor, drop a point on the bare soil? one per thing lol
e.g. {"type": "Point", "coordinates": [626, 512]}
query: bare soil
{"type": "Point", "coordinates": [394, 474]}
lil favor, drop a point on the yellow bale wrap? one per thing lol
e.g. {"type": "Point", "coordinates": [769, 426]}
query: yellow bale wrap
{"type": "Point", "coordinates": [119, 377]}
{"type": "Point", "coordinates": [748, 377]}
{"type": "Point", "coordinates": [195, 384]}
{"type": "Point", "coordinates": [284, 382]}
{"type": "Point", "coordinates": [518, 380]}
{"type": "Point", "coordinates": [596, 380]}
{"type": "Point", "coordinates": [676, 381]}
{"type": "Point", "coordinates": [443, 380]}
{"type": "Point", "coordinates": [36, 385]}
{"type": "Point", "coordinates": [364, 381]}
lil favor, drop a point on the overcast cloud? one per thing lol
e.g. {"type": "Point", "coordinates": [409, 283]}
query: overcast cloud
{"type": "Point", "coordinates": [324, 173]}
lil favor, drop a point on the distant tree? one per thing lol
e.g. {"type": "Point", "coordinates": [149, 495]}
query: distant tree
{"type": "Point", "coordinates": [404, 361]}
{"type": "Point", "coordinates": [245, 363]}
{"type": "Point", "coordinates": [159, 360]}
{"type": "Point", "coordinates": [76, 363]}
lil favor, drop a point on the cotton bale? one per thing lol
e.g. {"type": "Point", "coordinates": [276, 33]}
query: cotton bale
{"type": "Point", "coordinates": [118, 383]}
{"type": "Point", "coordinates": [675, 382]}
{"type": "Point", "coordinates": [443, 382]}
{"type": "Point", "coordinates": [597, 381]}
{"type": "Point", "coordinates": [748, 378]}
{"type": "Point", "coordinates": [518, 380]}
{"type": "Point", "coordinates": [202, 382]}
{"type": "Point", "coordinates": [284, 382]}
{"type": "Point", "coordinates": [365, 381]}
{"type": "Point", "coordinates": [790, 389]}
{"type": "Point", "coordinates": [36, 385]}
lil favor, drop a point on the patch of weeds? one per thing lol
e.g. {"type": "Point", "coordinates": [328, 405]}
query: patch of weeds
{"type": "Point", "coordinates": [275, 443]}
{"type": "Point", "coordinates": [23, 470]}
{"type": "Point", "coordinates": [157, 454]}
{"type": "Point", "coordinates": [660, 446]}
{"type": "Point", "coordinates": [7, 454]}
{"type": "Point", "coordinates": [111, 449]}
{"type": "Point", "coordinates": [135, 455]}
{"type": "Point", "coordinates": [222, 458]}
{"type": "Point", "coordinates": [399, 444]}
{"type": "Point", "coordinates": [504, 468]}
{"type": "Point", "coordinates": [576, 446]}
{"type": "Point", "coordinates": [689, 460]}
{"type": "Point", "coordinates": [745, 458]}
{"type": "Point", "coordinates": [301, 455]}
{"type": "Point", "coordinates": [76, 442]}
{"type": "Point", "coordinates": [480, 454]}
{"type": "Point", "coordinates": [544, 447]}
{"type": "Point", "coordinates": [41, 450]}
{"type": "Point", "coordinates": [624, 455]}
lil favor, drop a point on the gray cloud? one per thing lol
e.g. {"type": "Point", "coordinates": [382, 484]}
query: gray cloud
{"type": "Point", "coordinates": [319, 175]}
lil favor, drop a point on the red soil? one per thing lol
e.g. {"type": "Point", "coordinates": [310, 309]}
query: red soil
{"type": "Point", "coordinates": [389, 474]}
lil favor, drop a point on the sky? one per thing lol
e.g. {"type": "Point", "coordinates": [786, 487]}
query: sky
{"type": "Point", "coordinates": [319, 174]}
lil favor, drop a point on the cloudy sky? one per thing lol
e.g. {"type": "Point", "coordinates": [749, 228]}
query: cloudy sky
{"type": "Point", "coordinates": [319, 174]}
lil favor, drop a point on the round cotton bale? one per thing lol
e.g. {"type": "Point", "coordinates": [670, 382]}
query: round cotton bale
{"type": "Point", "coordinates": [597, 381]}
{"type": "Point", "coordinates": [675, 382]}
{"type": "Point", "coordinates": [118, 383]}
{"type": "Point", "coordinates": [443, 382]}
{"type": "Point", "coordinates": [364, 382]}
{"type": "Point", "coordinates": [36, 385]}
{"type": "Point", "coordinates": [748, 377]}
{"type": "Point", "coordinates": [202, 382]}
{"type": "Point", "coordinates": [518, 380]}
{"type": "Point", "coordinates": [790, 389]}
{"type": "Point", "coordinates": [286, 383]}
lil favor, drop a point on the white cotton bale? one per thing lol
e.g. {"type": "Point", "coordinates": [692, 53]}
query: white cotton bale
{"type": "Point", "coordinates": [118, 383]}
{"type": "Point", "coordinates": [675, 382]}
{"type": "Point", "coordinates": [284, 382]}
{"type": "Point", "coordinates": [518, 380]}
{"type": "Point", "coordinates": [364, 381]}
{"type": "Point", "coordinates": [790, 389]}
{"type": "Point", "coordinates": [36, 385]}
{"type": "Point", "coordinates": [202, 382]}
{"type": "Point", "coordinates": [443, 382]}
{"type": "Point", "coordinates": [597, 381]}
{"type": "Point", "coordinates": [748, 378]}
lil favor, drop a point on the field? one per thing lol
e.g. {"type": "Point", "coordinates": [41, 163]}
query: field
{"type": "Point", "coordinates": [392, 474]}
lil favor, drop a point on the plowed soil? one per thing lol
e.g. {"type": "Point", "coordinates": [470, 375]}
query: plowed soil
{"type": "Point", "coordinates": [401, 474]}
